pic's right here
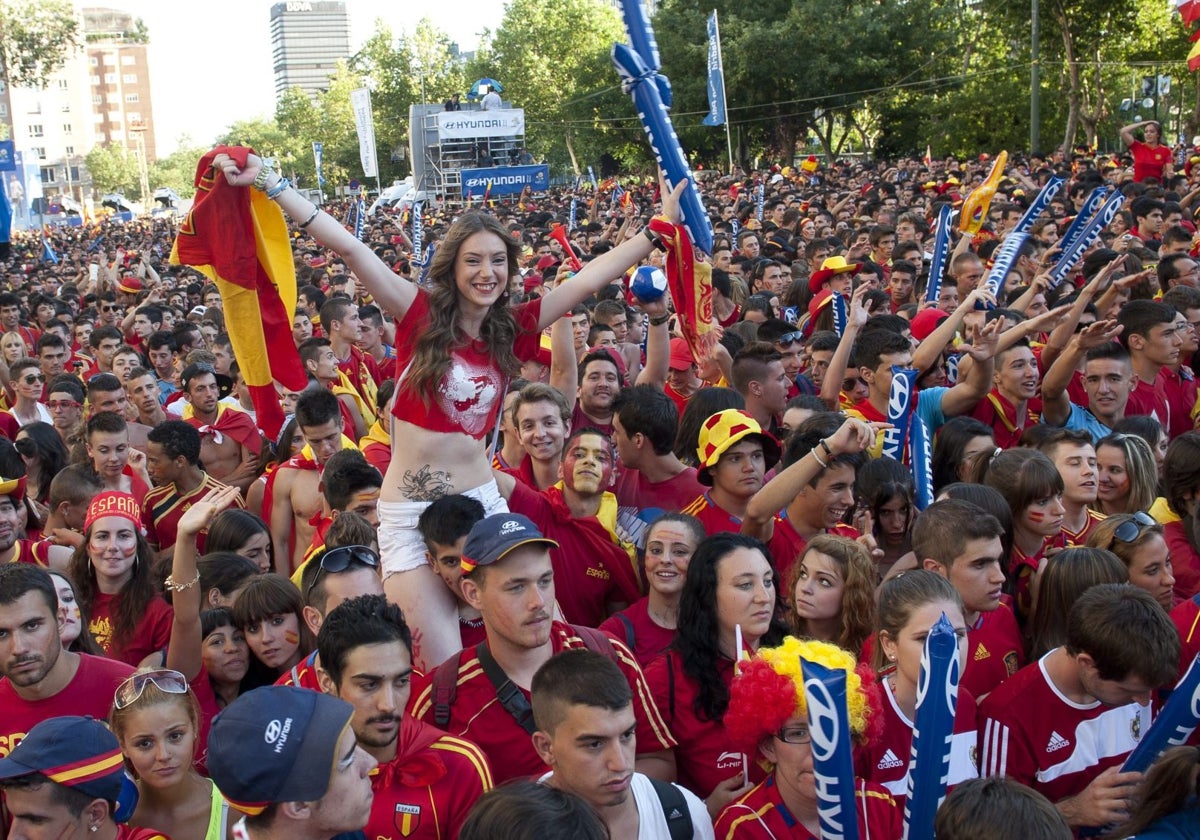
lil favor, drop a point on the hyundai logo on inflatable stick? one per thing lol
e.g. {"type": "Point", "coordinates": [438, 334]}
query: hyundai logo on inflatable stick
{"type": "Point", "coordinates": [937, 700]}
{"type": "Point", "coordinates": [833, 764]}
{"type": "Point", "coordinates": [941, 253]}
{"type": "Point", "coordinates": [638, 66]}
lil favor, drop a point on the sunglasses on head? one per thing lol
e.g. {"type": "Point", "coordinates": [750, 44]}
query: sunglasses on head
{"type": "Point", "coordinates": [340, 559]}
{"type": "Point", "coordinates": [1129, 530]}
{"type": "Point", "coordinates": [166, 680]}
{"type": "Point", "coordinates": [788, 339]}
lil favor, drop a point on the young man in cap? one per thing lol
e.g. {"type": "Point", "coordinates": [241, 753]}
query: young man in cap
{"type": "Point", "coordinates": [482, 694]}
{"type": "Point", "coordinates": [683, 379]}
{"type": "Point", "coordinates": [735, 453]}
{"type": "Point", "coordinates": [288, 759]}
{"type": "Point", "coordinates": [13, 547]}
{"type": "Point", "coordinates": [229, 441]}
{"type": "Point", "coordinates": [427, 780]}
{"type": "Point", "coordinates": [835, 274]}
{"type": "Point", "coordinates": [587, 735]}
{"type": "Point", "coordinates": [1065, 724]}
{"type": "Point", "coordinates": [67, 779]}
{"type": "Point", "coordinates": [40, 679]}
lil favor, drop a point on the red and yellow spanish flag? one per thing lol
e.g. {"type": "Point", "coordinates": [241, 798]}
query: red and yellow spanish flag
{"type": "Point", "coordinates": [690, 284]}
{"type": "Point", "coordinates": [1193, 59]}
{"type": "Point", "coordinates": [238, 238]}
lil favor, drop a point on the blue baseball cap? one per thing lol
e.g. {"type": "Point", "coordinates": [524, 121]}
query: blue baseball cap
{"type": "Point", "coordinates": [276, 744]}
{"type": "Point", "coordinates": [76, 752]}
{"type": "Point", "coordinates": [494, 536]}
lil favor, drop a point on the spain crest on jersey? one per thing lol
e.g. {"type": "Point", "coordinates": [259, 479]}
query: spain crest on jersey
{"type": "Point", "coordinates": [407, 818]}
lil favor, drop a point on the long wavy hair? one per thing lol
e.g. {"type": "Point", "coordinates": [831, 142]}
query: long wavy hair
{"type": "Point", "coordinates": [855, 566]}
{"type": "Point", "coordinates": [1169, 786]}
{"type": "Point", "coordinates": [698, 636]}
{"type": "Point", "coordinates": [431, 356]}
{"type": "Point", "coordinates": [1139, 466]}
{"type": "Point", "coordinates": [131, 602]}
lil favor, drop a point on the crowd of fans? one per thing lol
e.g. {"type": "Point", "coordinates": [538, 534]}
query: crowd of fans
{"type": "Point", "coordinates": [535, 543]}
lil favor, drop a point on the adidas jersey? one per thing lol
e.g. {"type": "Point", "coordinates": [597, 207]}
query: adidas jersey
{"type": "Point", "coordinates": [995, 651]}
{"type": "Point", "coordinates": [761, 815]}
{"type": "Point", "coordinates": [1032, 733]}
{"type": "Point", "coordinates": [885, 759]}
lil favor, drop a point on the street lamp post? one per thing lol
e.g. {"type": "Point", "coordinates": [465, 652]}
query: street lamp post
{"type": "Point", "coordinates": [1035, 80]}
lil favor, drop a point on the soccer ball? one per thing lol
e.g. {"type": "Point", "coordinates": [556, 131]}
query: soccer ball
{"type": "Point", "coordinates": [648, 284]}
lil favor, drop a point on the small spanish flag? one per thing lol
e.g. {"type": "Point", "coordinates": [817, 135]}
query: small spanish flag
{"type": "Point", "coordinates": [1193, 59]}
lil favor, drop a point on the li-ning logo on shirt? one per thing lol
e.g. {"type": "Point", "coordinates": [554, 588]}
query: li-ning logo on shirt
{"type": "Point", "coordinates": [1057, 742]}
{"type": "Point", "coordinates": [889, 761]}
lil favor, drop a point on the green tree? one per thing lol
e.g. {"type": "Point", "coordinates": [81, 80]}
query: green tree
{"type": "Point", "coordinates": [552, 56]}
{"type": "Point", "coordinates": [113, 169]}
{"type": "Point", "coordinates": [35, 40]}
{"type": "Point", "coordinates": [177, 170]}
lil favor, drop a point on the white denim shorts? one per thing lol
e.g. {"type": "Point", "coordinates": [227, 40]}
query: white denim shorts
{"type": "Point", "coordinates": [401, 547]}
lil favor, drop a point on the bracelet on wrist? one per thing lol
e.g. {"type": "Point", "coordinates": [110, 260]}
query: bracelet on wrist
{"type": "Point", "coordinates": [315, 212]}
{"type": "Point", "coordinates": [274, 191]}
{"type": "Point", "coordinates": [260, 180]}
{"type": "Point", "coordinates": [654, 238]}
{"type": "Point", "coordinates": [659, 320]}
{"type": "Point", "coordinates": [171, 586]}
{"type": "Point", "coordinates": [825, 446]}
{"type": "Point", "coordinates": [817, 458]}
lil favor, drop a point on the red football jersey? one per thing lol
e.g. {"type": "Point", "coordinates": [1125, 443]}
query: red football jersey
{"type": "Point", "coordinates": [1032, 733]}
{"type": "Point", "coordinates": [995, 651]}
{"type": "Point", "coordinates": [151, 634]}
{"type": "Point", "coordinates": [761, 815]}
{"type": "Point", "coordinates": [705, 755]}
{"type": "Point", "coordinates": [478, 716]}
{"type": "Point", "coordinates": [885, 760]}
{"type": "Point", "coordinates": [89, 692]}
{"type": "Point", "coordinates": [649, 640]}
{"type": "Point", "coordinates": [428, 789]}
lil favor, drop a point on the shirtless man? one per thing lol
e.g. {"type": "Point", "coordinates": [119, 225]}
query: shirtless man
{"type": "Point", "coordinates": [294, 488]}
{"type": "Point", "coordinates": [229, 441]}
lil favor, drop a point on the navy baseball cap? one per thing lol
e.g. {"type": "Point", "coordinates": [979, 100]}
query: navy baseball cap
{"type": "Point", "coordinates": [276, 744]}
{"type": "Point", "coordinates": [494, 536]}
{"type": "Point", "coordinates": [76, 752]}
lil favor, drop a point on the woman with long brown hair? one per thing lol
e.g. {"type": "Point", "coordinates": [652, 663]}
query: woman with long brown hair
{"type": "Point", "coordinates": [461, 341]}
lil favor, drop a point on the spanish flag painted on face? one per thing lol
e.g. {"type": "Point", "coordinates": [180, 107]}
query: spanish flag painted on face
{"type": "Point", "coordinates": [238, 238]}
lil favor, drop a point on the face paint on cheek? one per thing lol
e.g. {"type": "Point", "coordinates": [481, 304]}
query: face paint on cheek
{"type": "Point", "coordinates": [1035, 516]}
{"type": "Point", "coordinates": [291, 637]}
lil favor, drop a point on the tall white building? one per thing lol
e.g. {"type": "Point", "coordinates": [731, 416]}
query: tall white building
{"type": "Point", "coordinates": [307, 41]}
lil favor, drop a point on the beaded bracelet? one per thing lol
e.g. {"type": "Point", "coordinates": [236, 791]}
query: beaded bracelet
{"type": "Point", "coordinates": [817, 458]}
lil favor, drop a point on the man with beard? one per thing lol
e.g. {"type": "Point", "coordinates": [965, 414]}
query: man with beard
{"type": "Point", "coordinates": [41, 680]}
{"type": "Point", "coordinates": [230, 442]}
{"type": "Point", "coordinates": [142, 390]}
{"type": "Point", "coordinates": [596, 574]}
{"type": "Point", "coordinates": [600, 377]}
{"type": "Point", "coordinates": [427, 780]}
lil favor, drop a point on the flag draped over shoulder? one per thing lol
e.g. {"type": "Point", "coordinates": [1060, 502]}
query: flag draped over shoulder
{"type": "Point", "coordinates": [690, 284]}
{"type": "Point", "coordinates": [237, 238]}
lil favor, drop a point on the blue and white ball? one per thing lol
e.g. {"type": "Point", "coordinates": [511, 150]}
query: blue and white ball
{"type": "Point", "coordinates": [648, 284]}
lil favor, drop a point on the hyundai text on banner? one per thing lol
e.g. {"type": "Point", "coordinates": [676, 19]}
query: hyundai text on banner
{"type": "Point", "coordinates": [364, 124]}
{"type": "Point", "coordinates": [467, 125]}
{"type": "Point", "coordinates": [505, 180]}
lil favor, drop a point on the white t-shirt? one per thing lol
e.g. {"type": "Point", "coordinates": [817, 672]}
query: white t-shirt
{"type": "Point", "coordinates": [652, 822]}
{"type": "Point", "coordinates": [491, 101]}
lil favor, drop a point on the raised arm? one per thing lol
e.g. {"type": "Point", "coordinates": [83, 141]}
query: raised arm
{"type": "Point", "coordinates": [972, 387]}
{"type": "Point", "coordinates": [607, 267]}
{"type": "Point", "coordinates": [392, 292]}
{"type": "Point", "coordinates": [184, 651]}
{"type": "Point", "coordinates": [858, 315]}
{"type": "Point", "coordinates": [930, 349]}
{"type": "Point", "coordinates": [1056, 404]}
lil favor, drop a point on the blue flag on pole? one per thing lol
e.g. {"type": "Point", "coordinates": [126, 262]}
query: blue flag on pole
{"type": "Point", "coordinates": [716, 75]}
{"type": "Point", "coordinates": [5, 221]}
{"type": "Point", "coordinates": [318, 158]}
{"type": "Point", "coordinates": [48, 254]}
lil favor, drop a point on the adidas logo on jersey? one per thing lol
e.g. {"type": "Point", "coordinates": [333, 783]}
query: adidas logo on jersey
{"type": "Point", "coordinates": [981, 653]}
{"type": "Point", "coordinates": [889, 761]}
{"type": "Point", "coordinates": [1057, 742]}
{"type": "Point", "coordinates": [675, 814]}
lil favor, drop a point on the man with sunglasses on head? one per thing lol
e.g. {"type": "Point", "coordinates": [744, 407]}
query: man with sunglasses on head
{"type": "Point", "coordinates": [789, 344]}
{"type": "Point", "coordinates": [427, 780]}
{"type": "Point", "coordinates": [41, 680]}
{"type": "Point", "coordinates": [331, 577]}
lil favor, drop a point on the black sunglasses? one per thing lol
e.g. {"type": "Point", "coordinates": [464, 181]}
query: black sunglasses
{"type": "Point", "coordinates": [339, 559]}
{"type": "Point", "coordinates": [1129, 530]}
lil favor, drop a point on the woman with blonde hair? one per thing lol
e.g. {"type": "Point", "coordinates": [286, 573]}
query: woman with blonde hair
{"type": "Point", "coordinates": [1127, 478]}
